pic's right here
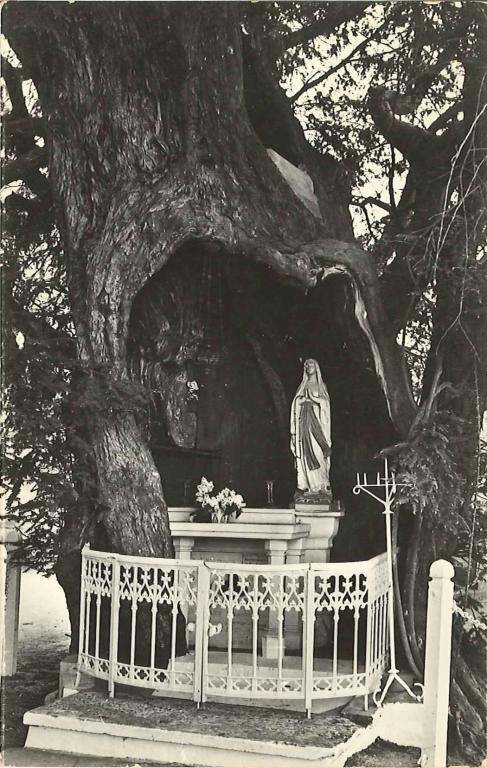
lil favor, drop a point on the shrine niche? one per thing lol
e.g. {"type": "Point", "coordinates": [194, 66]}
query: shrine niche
{"type": "Point", "coordinates": [218, 373]}
{"type": "Point", "coordinates": [220, 343]}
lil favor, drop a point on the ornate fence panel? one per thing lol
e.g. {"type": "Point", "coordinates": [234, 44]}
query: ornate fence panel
{"type": "Point", "coordinates": [270, 595]}
{"type": "Point", "coordinates": [377, 649]}
{"type": "Point", "coordinates": [349, 600]}
{"type": "Point", "coordinates": [315, 631]}
{"type": "Point", "coordinates": [132, 618]}
{"type": "Point", "coordinates": [96, 589]}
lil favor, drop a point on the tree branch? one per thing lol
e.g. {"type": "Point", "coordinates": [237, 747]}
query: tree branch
{"type": "Point", "coordinates": [362, 202]}
{"type": "Point", "coordinates": [26, 168]}
{"type": "Point", "coordinates": [27, 214]}
{"type": "Point", "coordinates": [410, 140]}
{"type": "Point", "coordinates": [36, 327]}
{"type": "Point", "coordinates": [317, 80]}
{"type": "Point", "coordinates": [390, 179]}
{"type": "Point", "coordinates": [443, 119]}
{"type": "Point", "coordinates": [27, 127]}
{"type": "Point", "coordinates": [336, 15]}
{"type": "Point", "coordinates": [336, 257]}
{"type": "Point", "coordinates": [20, 127]}
{"type": "Point", "coordinates": [15, 203]}
{"type": "Point", "coordinates": [13, 80]}
{"type": "Point", "coordinates": [418, 86]}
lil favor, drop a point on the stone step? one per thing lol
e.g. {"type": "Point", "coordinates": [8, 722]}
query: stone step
{"type": "Point", "coordinates": [163, 731]}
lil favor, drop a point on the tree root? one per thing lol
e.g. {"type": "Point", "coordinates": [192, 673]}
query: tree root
{"type": "Point", "coordinates": [469, 726]}
{"type": "Point", "coordinates": [410, 592]}
{"type": "Point", "coordinates": [403, 634]}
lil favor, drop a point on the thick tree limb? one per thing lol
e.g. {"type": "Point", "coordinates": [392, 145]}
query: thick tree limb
{"type": "Point", "coordinates": [278, 128]}
{"type": "Point", "coordinates": [412, 141]}
{"type": "Point", "coordinates": [13, 77]}
{"type": "Point", "coordinates": [27, 127]}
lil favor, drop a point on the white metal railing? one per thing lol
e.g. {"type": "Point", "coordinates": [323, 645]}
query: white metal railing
{"type": "Point", "coordinates": [306, 631]}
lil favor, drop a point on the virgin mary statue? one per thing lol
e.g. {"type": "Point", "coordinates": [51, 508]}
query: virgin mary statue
{"type": "Point", "coordinates": [311, 434]}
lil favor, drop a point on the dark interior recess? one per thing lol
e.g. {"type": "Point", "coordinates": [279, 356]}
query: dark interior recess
{"type": "Point", "coordinates": [242, 334]}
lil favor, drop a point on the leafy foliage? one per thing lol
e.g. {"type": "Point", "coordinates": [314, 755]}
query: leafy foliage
{"type": "Point", "coordinates": [430, 482]}
{"type": "Point", "coordinates": [39, 351]}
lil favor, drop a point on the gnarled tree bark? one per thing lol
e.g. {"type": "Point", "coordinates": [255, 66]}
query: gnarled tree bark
{"type": "Point", "coordinates": [148, 151]}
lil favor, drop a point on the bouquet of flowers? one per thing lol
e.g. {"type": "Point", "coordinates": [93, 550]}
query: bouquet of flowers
{"type": "Point", "coordinates": [220, 507]}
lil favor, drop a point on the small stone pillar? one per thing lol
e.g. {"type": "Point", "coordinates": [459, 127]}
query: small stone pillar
{"type": "Point", "coordinates": [183, 548]}
{"type": "Point", "coordinates": [324, 519]}
{"type": "Point", "coordinates": [10, 595]}
{"type": "Point", "coordinates": [437, 665]}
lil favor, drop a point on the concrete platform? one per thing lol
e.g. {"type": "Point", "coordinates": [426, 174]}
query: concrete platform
{"type": "Point", "coordinates": [42, 758]}
{"type": "Point", "coordinates": [162, 731]}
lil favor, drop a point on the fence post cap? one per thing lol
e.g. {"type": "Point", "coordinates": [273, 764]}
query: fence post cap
{"type": "Point", "coordinates": [442, 569]}
{"type": "Point", "coordinates": [9, 533]}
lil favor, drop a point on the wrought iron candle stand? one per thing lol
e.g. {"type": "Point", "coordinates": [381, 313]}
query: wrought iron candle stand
{"type": "Point", "coordinates": [388, 483]}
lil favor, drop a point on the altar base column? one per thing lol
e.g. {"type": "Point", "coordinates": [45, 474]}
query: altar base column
{"type": "Point", "coordinates": [276, 555]}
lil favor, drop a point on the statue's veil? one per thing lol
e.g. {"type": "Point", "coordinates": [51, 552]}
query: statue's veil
{"type": "Point", "coordinates": [302, 389]}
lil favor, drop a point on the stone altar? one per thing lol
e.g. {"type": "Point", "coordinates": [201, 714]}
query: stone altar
{"type": "Point", "coordinates": [260, 535]}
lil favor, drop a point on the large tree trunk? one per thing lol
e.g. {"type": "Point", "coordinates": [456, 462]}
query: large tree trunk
{"type": "Point", "coordinates": [148, 150]}
{"type": "Point", "coordinates": [155, 148]}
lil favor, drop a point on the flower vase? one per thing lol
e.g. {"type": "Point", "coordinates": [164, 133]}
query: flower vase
{"type": "Point", "coordinates": [218, 516]}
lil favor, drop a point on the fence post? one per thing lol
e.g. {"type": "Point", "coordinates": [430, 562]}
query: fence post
{"type": "Point", "coordinates": [114, 615]}
{"type": "Point", "coordinates": [201, 633]}
{"type": "Point", "coordinates": [10, 575]}
{"type": "Point", "coordinates": [309, 628]}
{"type": "Point", "coordinates": [437, 665]}
{"type": "Point", "coordinates": [368, 638]}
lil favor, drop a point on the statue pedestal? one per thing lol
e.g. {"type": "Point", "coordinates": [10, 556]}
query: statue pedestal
{"type": "Point", "coordinates": [323, 519]}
